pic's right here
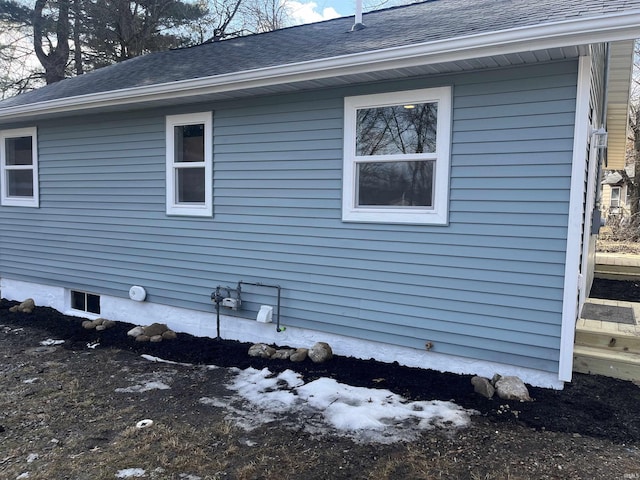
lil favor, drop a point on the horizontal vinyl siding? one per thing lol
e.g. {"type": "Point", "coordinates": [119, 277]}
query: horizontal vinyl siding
{"type": "Point", "coordinates": [487, 286]}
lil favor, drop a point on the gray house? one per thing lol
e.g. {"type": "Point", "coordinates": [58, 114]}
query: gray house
{"type": "Point", "coordinates": [419, 190]}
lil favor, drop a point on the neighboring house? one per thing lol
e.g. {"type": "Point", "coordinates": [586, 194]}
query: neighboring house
{"type": "Point", "coordinates": [614, 201]}
{"type": "Point", "coordinates": [421, 189]}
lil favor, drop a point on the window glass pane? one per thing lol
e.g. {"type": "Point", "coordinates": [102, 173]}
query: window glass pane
{"type": "Point", "coordinates": [397, 184]}
{"type": "Point", "coordinates": [20, 183]}
{"type": "Point", "coordinates": [400, 129]}
{"type": "Point", "coordinates": [190, 185]}
{"type": "Point", "coordinates": [615, 197]}
{"type": "Point", "coordinates": [189, 143]}
{"type": "Point", "coordinates": [93, 303]}
{"type": "Point", "coordinates": [78, 301]}
{"type": "Point", "coordinates": [19, 151]}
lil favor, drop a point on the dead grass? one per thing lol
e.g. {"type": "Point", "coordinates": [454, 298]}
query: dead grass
{"type": "Point", "coordinates": [70, 423]}
{"type": "Point", "coordinates": [617, 238]}
{"type": "Point", "coordinates": [609, 246]}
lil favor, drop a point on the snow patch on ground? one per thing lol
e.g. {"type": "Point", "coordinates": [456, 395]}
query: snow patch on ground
{"type": "Point", "coordinates": [357, 408]}
{"type": "Point", "coordinates": [146, 382]}
{"type": "Point", "coordinates": [130, 473]}
{"type": "Point", "coordinates": [151, 358]}
{"type": "Point", "coordinates": [363, 414]}
{"type": "Point", "coordinates": [263, 390]}
{"type": "Point", "coordinates": [145, 387]}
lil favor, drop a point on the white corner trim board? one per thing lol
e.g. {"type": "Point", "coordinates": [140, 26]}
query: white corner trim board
{"type": "Point", "coordinates": [570, 303]}
{"type": "Point", "coordinates": [248, 330]}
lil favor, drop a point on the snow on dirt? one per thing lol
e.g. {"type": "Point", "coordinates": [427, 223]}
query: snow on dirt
{"type": "Point", "coordinates": [130, 473]}
{"type": "Point", "coordinates": [363, 414]}
{"type": "Point", "coordinates": [374, 415]}
{"type": "Point", "coordinates": [155, 381]}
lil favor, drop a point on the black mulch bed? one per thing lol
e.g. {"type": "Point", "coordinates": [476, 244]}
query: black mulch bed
{"type": "Point", "coordinates": [590, 405]}
{"type": "Point", "coordinates": [623, 290]}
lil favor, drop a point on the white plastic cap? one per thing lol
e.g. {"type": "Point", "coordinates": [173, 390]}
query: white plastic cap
{"type": "Point", "coordinates": [137, 293]}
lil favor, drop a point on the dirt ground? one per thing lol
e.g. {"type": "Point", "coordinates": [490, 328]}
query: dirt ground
{"type": "Point", "coordinates": [63, 416]}
{"type": "Point", "coordinates": [609, 246]}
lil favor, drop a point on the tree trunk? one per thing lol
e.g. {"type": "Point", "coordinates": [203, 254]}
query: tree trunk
{"type": "Point", "coordinates": [55, 61]}
{"type": "Point", "coordinates": [77, 45]}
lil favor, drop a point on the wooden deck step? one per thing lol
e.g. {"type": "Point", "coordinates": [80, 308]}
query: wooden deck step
{"type": "Point", "coordinates": [621, 270]}
{"type": "Point", "coordinates": [614, 341]}
{"type": "Point", "coordinates": [598, 361]}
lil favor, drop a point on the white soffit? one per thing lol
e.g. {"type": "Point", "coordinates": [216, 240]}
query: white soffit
{"type": "Point", "coordinates": [620, 69]}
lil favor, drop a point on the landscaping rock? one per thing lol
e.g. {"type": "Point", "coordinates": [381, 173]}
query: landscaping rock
{"type": "Point", "coordinates": [136, 331]}
{"type": "Point", "coordinates": [483, 386]}
{"type": "Point", "coordinates": [169, 335]}
{"type": "Point", "coordinates": [99, 324]}
{"type": "Point", "coordinates": [156, 332]}
{"type": "Point", "coordinates": [25, 307]}
{"type": "Point", "coordinates": [261, 350]}
{"type": "Point", "coordinates": [155, 329]}
{"type": "Point", "coordinates": [300, 355]}
{"type": "Point", "coordinates": [320, 352]}
{"type": "Point", "coordinates": [512, 388]}
{"type": "Point", "coordinates": [108, 323]}
{"type": "Point", "coordinates": [283, 354]}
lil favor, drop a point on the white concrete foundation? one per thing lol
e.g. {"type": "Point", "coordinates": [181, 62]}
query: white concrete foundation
{"type": "Point", "coordinates": [249, 330]}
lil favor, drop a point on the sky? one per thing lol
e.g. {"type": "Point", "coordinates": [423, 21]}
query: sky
{"type": "Point", "coordinates": [318, 10]}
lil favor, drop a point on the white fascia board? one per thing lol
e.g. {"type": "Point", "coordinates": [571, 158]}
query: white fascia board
{"type": "Point", "coordinates": [615, 27]}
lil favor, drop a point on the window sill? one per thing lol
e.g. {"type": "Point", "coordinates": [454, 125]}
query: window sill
{"type": "Point", "coordinates": [20, 202]}
{"type": "Point", "coordinates": [415, 217]}
{"type": "Point", "coordinates": [189, 211]}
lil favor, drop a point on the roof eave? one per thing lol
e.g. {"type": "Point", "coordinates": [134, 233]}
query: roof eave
{"type": "Point", "coordinates": [614, 27]}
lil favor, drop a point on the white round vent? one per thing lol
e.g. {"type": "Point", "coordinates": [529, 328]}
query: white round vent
{"type": "Point", "coordinates": [137, 293]}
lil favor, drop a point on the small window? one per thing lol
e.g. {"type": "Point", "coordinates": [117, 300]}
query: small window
{"type": "Point", "coordinates": [85, 302]}
{"type": "Point", "coordinates": [615, 197]}
{"type": "Point", "coordinates": [19, 167]}
{"type": "Point", "coordinates": [396, 157]}
{"type": "Point", "coordinates": [189, 164]}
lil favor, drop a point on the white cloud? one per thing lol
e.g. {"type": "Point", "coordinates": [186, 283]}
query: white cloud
{"type": "Point", "coordinates": [308, 12]}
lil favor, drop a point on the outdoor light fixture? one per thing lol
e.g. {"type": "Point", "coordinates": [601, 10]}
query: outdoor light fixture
{"type": "Point", "coordinates": [409, 107]}
{"type": "Point", "coordinates": [599, 138]}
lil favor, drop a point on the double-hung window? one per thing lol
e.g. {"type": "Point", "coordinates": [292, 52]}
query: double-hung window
{"type": "Point", "coordinates": [19, 167]}
{"type": "Point", "coordinates": [189, 164]}
{"type": "Point", "coordinates": [396, 157]}
{"type": "Point", "coordinates": [615, 197]}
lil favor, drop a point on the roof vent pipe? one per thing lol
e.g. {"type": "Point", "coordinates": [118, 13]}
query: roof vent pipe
{"type": "Point", "coordinates": [358, 25]}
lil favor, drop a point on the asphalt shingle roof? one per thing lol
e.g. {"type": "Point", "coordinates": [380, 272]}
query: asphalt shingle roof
{"type": "Point", "coordinates": [428, 21]}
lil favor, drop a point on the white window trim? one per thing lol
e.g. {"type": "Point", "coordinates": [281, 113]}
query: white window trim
{"type": "Point", "coordinates": [6, 200]}
{"type": "Point", "coordinates": [198, 210]}
{"type": "Point", "coordinates": [436, 215]}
